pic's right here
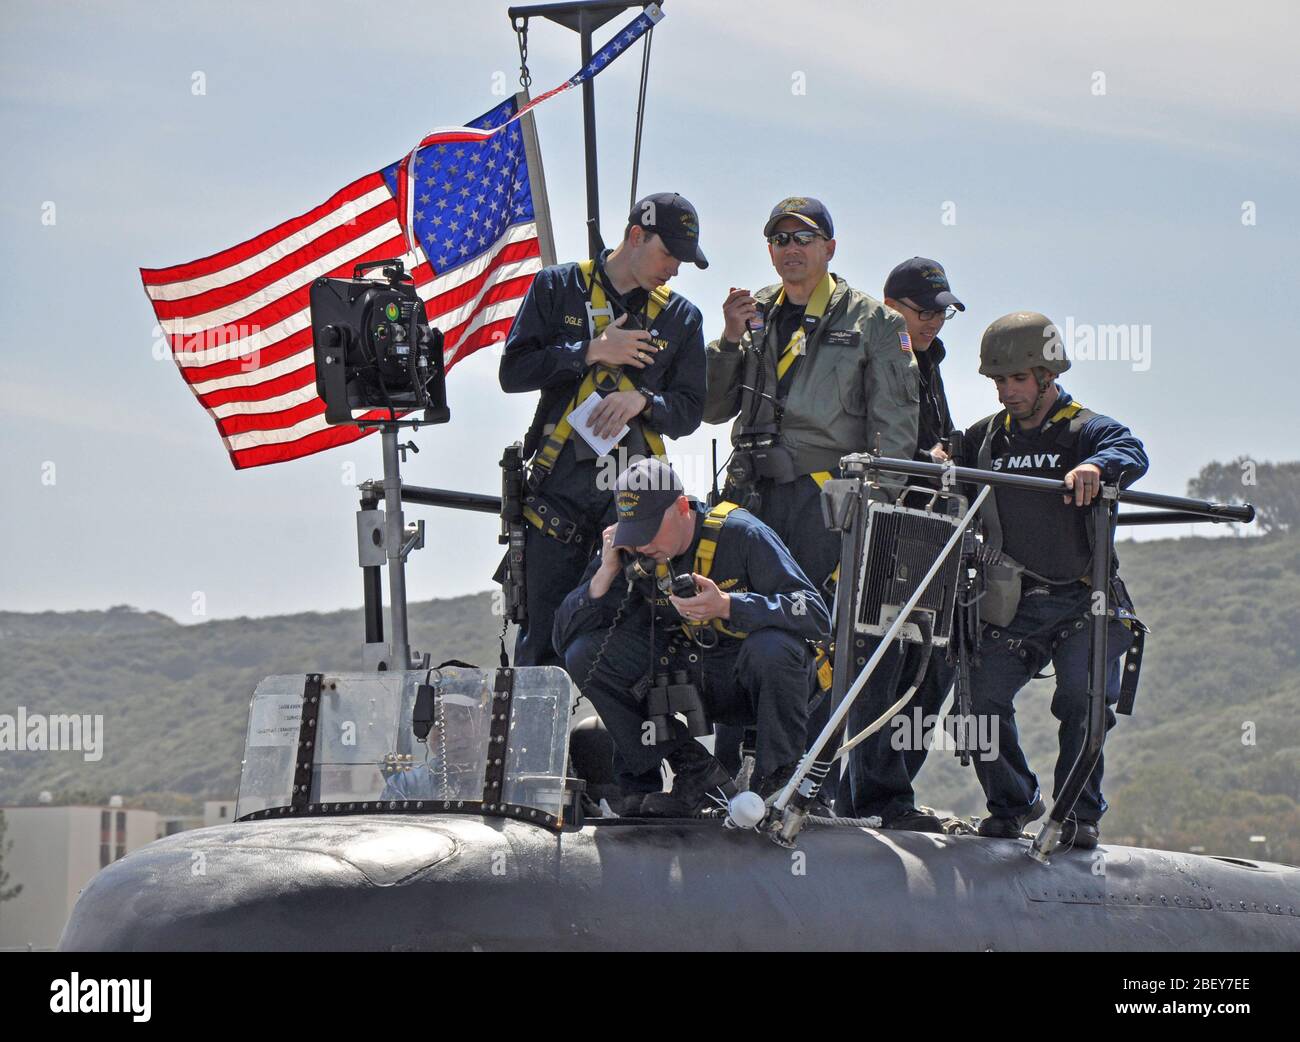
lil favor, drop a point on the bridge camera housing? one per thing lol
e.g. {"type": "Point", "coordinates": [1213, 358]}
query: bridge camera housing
{"type": "Point", "coordinates": [374, 347]}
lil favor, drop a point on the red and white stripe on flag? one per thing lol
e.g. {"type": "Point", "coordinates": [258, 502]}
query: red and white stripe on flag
{"type": "Point", "coordinates": [239, 325]}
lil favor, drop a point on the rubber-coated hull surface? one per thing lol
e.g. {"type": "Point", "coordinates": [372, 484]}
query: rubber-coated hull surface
{"type": "Point", "coordinates": [461, 883]}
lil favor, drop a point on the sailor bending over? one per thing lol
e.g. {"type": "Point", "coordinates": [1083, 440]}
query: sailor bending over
{"type": "Point", "coordinates": [737, 636]}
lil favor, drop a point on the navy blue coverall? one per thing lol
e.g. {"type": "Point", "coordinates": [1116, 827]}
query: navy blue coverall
{"type": "Point", "coordinates": [1051, 623]}
{"type": "Point", "coordinates": [764, 679]}
{"type": "Point", "coordinates": [546, 351]}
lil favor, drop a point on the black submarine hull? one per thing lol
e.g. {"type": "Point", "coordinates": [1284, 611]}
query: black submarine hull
{"type": "Point", "coordinates": [460, 883]}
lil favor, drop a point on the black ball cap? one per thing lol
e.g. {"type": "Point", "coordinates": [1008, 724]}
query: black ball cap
{"type": "Point", "coordinates": [673, 219]}
{"type": "Point", "coordinates": [924, 283]}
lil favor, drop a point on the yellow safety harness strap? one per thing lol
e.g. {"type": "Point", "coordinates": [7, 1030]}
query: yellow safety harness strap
{"type": "Point", "coordinates": [816, 308]}
{"type": "Point", "coordinates": [825, 673]}
{"type": "Point", "coordinates": [1065, 412]}
{"type": "Point", "coordinates": [705, 551]}
{"type": "Point", "coordinates": [599, 377]}
{"type": "Point", "coordinates": [538, 513]}
{"type": "Point", "coordinates": [821, 477]}
{"type": "Point", "coordinates": [599, 313]}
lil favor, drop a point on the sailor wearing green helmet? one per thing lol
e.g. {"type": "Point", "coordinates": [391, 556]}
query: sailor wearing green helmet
{"type": "Point", "coordinates": [1039, 599]}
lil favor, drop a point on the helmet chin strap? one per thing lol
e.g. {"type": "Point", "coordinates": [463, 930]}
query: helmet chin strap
{"type": "Point", "coordinates": [1044, 380]}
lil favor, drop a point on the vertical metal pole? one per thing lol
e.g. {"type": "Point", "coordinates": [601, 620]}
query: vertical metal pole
{"type": "Point", "coordinates": [589, 139]}
{"type": "Point", "coordinates": [372, 589]}
{"type": "Point", "coordinates": [1101, 564]}
{"type": "Point", "coordinates": [849, 654]}
{"type": "Point", "coordinates": [394, 531]}
{"type": "Point", "coordinates": [847, 663]}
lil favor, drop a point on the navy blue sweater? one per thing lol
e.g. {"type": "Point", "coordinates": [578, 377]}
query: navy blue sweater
{"type": "Point", "coordinates": [767, 588]}
{"type": "Point", "coordinates": [1039, 530]}
{"type": "Point", "coordinates": [546, 351]}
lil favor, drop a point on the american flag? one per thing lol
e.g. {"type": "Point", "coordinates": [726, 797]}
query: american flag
{"type": "Point", "coordinates": [459, 211]}
{"type": "Point", "coordinates": [239, 325]}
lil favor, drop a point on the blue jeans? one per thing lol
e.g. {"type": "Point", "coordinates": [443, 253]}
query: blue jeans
{"type": "Point", "coordinates": [1009, 784]}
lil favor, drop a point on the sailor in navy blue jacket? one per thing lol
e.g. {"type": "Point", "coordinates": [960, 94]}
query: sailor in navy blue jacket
{"type": "Point", "coordinates": [755, 606]}
{"type": "Point", "coordinates": [1047, 535]}
{"type": "Point", "coordinates": [616, 314]}
{"type": "Point", "coordinates": [1043, 432]}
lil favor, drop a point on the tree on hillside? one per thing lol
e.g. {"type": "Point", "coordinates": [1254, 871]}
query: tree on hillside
{"type": "Point", "coordinates": [1273, 488]}
{"type": "Point", "coordinates": [6, 891]}
{"type": "Point", "coordinates": [79, 798]}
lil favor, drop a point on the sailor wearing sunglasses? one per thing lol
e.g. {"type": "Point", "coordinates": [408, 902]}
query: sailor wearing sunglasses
{"type": "Point", "coordinates": [811, 370]}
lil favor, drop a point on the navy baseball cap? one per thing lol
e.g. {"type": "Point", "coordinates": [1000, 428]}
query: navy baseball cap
{"type": "Point", "coordinates": [811, 211]}
{"type": "Point", "coordinates": [642, 495]}
{"type": "Point", "coordinates": [924, 283]}
{"type": "Point", "coordinates": [673, 219]}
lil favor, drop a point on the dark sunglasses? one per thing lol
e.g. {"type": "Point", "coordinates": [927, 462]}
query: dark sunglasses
{"type": "Point", "coordinates": [801, 238]}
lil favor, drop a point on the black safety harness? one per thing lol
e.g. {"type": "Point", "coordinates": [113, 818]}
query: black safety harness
{"type": "Point", "coordinates": [1063, 427]}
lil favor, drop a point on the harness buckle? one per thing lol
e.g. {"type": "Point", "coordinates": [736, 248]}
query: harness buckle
{"type": "Point", "coordinates": [568, 528]}
{"type": "Point", "coordinates": [607, 312]}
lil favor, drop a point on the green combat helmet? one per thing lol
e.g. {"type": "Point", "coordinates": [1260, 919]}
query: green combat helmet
{"type": "Point", "coordinates": [1019, 342]}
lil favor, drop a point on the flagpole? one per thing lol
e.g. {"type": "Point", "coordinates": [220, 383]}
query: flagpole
{"type": "Point", "coordinates": [394, 535]}
{"type": "Point", "coordinates": [537, 178]}
{"type": "Point", "coordinates": [584, 17]}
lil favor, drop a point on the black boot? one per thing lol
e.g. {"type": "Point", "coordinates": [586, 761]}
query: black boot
{"type": "Point", "coordinates": [770, 785]}
{"type": "Point", "coordinates": [626, 806]}
{"type": "Point", "coordinates": [699, 782]}
{"type": "Point", "coordinates": [913, 820]}
{"type": "Point", "coordinates": [1011, 828]}
{"type": "Point", "coordinates": [1081, 835]}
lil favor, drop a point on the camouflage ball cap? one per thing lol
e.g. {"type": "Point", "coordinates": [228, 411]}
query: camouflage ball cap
{"type": "Point", "coordinates": [1020, 341]}
{"type": "Point", "coordinates": [805, 209]}
{"type": "Point", "coordinates": [642, 495]}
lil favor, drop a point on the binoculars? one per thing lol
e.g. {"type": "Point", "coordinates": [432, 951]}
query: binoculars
{"type": "Point", "coordinates": [665, 700]}
{"type": "Point", "coordinates": [760, 454]}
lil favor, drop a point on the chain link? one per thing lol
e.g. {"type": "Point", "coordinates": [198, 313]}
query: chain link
{"type": "Point", "coordinates": [520, 26]}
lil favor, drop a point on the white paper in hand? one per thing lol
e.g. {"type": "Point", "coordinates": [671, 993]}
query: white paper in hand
{"type": "Point", "coordinates": [578, 420]}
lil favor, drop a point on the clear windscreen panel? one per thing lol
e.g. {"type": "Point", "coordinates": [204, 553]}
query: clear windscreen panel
{"type": "Point", "coordinates": [365, 750]}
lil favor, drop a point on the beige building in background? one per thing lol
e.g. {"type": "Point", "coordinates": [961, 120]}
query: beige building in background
{"type": "Point", "coordinates": [54, 852]}
{"type": "Point", "coordinates": [218, 812]}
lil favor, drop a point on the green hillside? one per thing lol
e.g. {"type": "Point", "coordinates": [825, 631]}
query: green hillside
{"type": "Point", "coordinates": [1211, 758]}
{"type": "Point", "coordinates": [175, 698]}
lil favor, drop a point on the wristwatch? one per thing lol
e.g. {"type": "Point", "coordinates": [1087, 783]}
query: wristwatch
{"type": "Point", "coordinates": [649, 397]}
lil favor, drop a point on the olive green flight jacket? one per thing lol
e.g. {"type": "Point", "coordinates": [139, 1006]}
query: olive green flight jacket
{"type": "Point", "coordinates": [857, 386]}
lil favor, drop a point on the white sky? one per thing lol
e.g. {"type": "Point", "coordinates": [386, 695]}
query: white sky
{"type": "Point", "coordinates": [1115, 208]}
